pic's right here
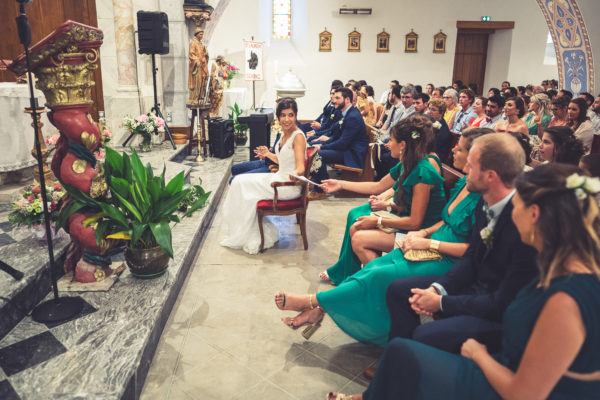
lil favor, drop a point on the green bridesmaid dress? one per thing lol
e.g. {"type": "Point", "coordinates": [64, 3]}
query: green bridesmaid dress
{"type": "Point", "coordinates": [358, 304]}
{"type": "Point", "coordinates": [348, 263]}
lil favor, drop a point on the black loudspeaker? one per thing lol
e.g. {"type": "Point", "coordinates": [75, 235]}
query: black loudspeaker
{"type": "Point", "coordinates": [220, 137]}
{"type": "Point", "coordinates": [153, 32]}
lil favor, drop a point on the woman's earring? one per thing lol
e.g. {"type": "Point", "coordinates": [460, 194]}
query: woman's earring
{"type": "Point", "coordinates": [532, 236]}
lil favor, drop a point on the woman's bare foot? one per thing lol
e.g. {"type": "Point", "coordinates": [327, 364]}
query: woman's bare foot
{"type": "Point", "coordinates": [294, 302]}
{"type": "Point", "coordinates": [325, 277]}
{"type": "Point", "coordinates": [305, 317]}
{"type": "Point", "coordinates": [341, 396]}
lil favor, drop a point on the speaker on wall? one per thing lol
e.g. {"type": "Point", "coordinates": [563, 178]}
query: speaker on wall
{"type": "Point", "coordinates": [220, 137]}
{"type": "Point", "coordinates": [153, 32]}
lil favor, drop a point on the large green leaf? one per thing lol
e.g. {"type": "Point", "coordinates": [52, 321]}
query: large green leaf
{"type": "Point", "coordinates": [139, 172]}
{"type": "Point", "coordinates": [176, 184]}
{"type": "Point", "coordinates": [66, 212]}
{"type": "Point", "coordinates": [168, 206]}
{"type": "Point", "coordinates": [129, 206]}
{"type": "Point", "coordinates": [115, 214]}
{"type": "Point", "coordinates": [154, 188]}
{"type": "Point", "coordinates": [121, 186]}
{"type": "Point", "coordinates": [127, 170]}
{"type": "Point", "coordinates": [137, 231]}
{"type": "Point", "coordinates": [80, 196]}
{"type": "Point", "coordinates": [162, 234]}
{"type": "Point", "coordinates": [197, 204]}
{"type": "Point", "coordinates": [114, 161]}
{"type": "Point", "coordinates": [142, 203]}
{"type": "Point", "coordinates": [101, 228]}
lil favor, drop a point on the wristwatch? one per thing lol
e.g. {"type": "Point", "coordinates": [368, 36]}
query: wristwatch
{"type": "Point", "coordinates": [388, 208]}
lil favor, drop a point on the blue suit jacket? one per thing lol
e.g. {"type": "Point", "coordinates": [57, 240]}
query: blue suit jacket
{"type": "Point", "coordinates": [324, 119]}
{"type": "Point", "coordinates": [484, 281]}
{"type": "Point", "coordinates": [350, 136]}
{"type": "Point", "coordinates": [329, 123]}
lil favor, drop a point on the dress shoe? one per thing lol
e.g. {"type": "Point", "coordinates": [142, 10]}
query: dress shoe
{"type": "Point", "coordinates": [314, 195]}
{"type": "Point", "coordinates": [369, 373]}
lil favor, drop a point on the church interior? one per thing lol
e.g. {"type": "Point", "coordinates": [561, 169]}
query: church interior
{"type": "Point", "coordinates": [279, 199]}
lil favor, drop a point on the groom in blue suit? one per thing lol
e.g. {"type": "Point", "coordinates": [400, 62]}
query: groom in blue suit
{"type": "Point", "coordinates": [469, 300]}
{"type": "Point", "coordinates": [348, 142]}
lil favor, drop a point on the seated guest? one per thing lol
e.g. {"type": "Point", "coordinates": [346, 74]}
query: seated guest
{"type": "Point", "coordinates": [493, 110]}
{"type": "Point", "coordinates": [462, 118]}
{"type": "Point", "coordinates": [385, 95]}
{"type": "Point", "coordinates": [438, 93]}
{"type": "Point", "coordinates": [551, 331]}
{"type": "Point", "coordinates": [437, 108]}
{"type": "Point", "coordinates": [429, 89]}
{"type": "Point", "coordinates": [559, 144]}
{"type": "Point", "coordinates": [452, 107]}
{"type": "Point", "coordinates": [505, 85]}
{"type": "Point", "coordinates": [368, 110]}
{"type": "Point", "coordinates": [479, 109]}
{"type": "Point", "coordinates": [539, 115]}
{"type": "Point", "coordinates": [493, 92]}
{"type": "Point", "coordinates": [357, 305]}
{"type": "Point", "coordinates": [384, 161]}
{"type": "Point", "coordinates": [413, 191]}
{"type": "Point", "coordinates": [514, 109]}
{"type": "Point", "coordinates": [579, 123]}
{"type": "Point", "coordinates": [538, 90]}
{"type": "Point", "coordinates": [510, 92]}
{"type": "Point", "coordinates": [255, 166]}
{"type": "Point", "coordinates": [348, 143]}
{"type": "Point", "coordinates": [526, 146]}
{"type": "Point", "coordinates": [420, 103]}
{"type": "Point", "coordinates": [469, 300]}
{"type": "Point", "coordinates": [566, 93]}
{"type": "Point", "coordinates": [559, 111]}
{"type": "Point", "coordinates": [595, 115]}
{"type": "Point", "coordinates": [323, 121]}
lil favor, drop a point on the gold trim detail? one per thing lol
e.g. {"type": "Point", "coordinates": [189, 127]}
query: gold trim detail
{"type": "Point", "coordinates": [79, 166]}
{"type": "Point", "coordinates": [88, 140]}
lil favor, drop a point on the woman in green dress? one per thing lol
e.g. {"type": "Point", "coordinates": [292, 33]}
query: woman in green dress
{"type": "Point", "coordinates": [358, 304]}
{"type": "Point", "coordinates": [413, 191]}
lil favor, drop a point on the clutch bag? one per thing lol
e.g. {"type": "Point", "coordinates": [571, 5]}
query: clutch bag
{"type": "Point", "coordinates": [385, 214]}
{"type": "Point", "coordinates": [422, 255]}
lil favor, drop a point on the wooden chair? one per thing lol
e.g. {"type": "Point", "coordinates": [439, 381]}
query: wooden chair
{"type": "Point", "coordinates": [451, 176]}
{"type": "Point", "coordinates": [595, 145]}
{"type": "Point", "coordinates": [296, 206]}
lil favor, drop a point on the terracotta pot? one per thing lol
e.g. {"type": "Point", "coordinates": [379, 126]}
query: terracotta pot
{"type": "Point", "coordinates": [147, 263]}
{"type": "Point", "coordinates": [180, 138]}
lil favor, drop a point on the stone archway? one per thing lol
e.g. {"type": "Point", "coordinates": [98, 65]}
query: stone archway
{"type": "Point", "coordinates": [571, 43]}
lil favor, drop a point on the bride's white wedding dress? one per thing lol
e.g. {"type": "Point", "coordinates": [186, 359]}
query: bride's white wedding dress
{"type": "Point", "coordinates": [239, 208]}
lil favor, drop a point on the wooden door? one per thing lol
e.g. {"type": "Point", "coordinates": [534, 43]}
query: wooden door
{"type": "Point", "coordinates": [470, 56]}
{"type": "Point", "coordinates": [44, 16]}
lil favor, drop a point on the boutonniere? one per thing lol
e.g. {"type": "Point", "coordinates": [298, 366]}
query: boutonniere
{"type": "Point", "coordinates": [332, 116]}
{"type": "Point", "coordinates": [488, 119]}
{"type": "Point", "coordinates": [437, 125]}
{"type": "Point", "coordinates": [487, 236]}
{"type": "Point", "coordinates": [341, 121]}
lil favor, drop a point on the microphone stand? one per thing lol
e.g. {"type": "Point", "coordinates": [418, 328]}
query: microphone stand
{"type": "Point", "coordinates": [59, 308]}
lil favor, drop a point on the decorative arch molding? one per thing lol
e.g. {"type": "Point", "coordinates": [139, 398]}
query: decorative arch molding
{"type": "Point", "coordinates": [571, 43]}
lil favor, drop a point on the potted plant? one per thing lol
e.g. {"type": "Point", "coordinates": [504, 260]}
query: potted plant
{"type": "Point", "coordinates": [145, 125]}
{"type": "Point", "coordinates": [239, 130]}
{"type": "Point", "coordinates": [28, 209]}
{"type": "Point", "coordinates": [139, 207]}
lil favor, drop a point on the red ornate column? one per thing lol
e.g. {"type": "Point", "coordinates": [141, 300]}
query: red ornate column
{"type": "Point", "coordinates": [63, 63]}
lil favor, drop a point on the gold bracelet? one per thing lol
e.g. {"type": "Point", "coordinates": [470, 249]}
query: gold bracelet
{"type": "Point", "coordinates": [434, 244]}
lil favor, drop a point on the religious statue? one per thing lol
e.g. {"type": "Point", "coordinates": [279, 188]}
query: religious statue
{"type": "Point", "coordinates": [219, 73]}
{"type": "Point", "coordinates": [198, 69]}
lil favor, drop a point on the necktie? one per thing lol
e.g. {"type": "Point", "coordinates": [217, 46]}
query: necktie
{"type": "Point", "coordinates": [489, 214]}
{"type": "Point", "coordinates": [392, 115]}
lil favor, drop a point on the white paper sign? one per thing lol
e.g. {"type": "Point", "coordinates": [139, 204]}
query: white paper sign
{"type": "Point", "coordinates": [253, 60]}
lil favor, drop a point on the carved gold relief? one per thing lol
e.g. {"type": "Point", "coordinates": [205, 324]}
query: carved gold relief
{"type": "Point", "coordinates": [79, 166]}
{"type": "Point", "coordinates": [99, 274]}
{"type": "Point", "coordinates": [67, 84]}
{"type": "Point", "coordinates": [98, 187]}
{"type": "Point", "coordinates": [88, 140]}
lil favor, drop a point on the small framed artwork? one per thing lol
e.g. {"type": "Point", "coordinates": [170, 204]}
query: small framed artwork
{"type": "Point", "coordinates": [325, 41]}
{"type": "Point", "coordinates": [354, 41]}
{"type": "Point", "coordinates": [439, 42]}
{"type": "Point", "coordinates": [383, 42]}
{"type": "Point", "coordinates": [410, 45]}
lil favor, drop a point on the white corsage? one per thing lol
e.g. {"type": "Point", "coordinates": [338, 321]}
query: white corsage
{"type": "Point", "coordinates": [583, 185]}
{"type": "Point", "coordinates": [316, 164]}
{"type": "Point", "coordinates": [487, 236]}
{"type": "Point", "coordinates": [437, 125]}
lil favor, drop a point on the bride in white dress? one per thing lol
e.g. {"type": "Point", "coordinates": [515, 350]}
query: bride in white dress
{"type": "Point", "coordinates": [239, 208]}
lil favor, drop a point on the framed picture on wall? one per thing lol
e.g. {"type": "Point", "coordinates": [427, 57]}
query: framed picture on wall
{"type": "Point", "coordinates": [439, 42]}
{"type": "Point", "coordinates": [383, 42]}
{"type": "Point", "coordinates": [325, 41]}
{"type": "Point", "coordinates": [354, 41]}
{"type": "Point", "coordinates": [410, 45]}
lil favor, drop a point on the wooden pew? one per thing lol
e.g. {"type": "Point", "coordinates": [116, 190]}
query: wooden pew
{"type": "Point", "coordinates": [365, 174]}
{"type": "Point", "coordinates": [451, 176]}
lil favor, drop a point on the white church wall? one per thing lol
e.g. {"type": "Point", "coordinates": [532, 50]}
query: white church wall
{"type": "Point", "coordinates": [516, 55]}
{"type": "Point", "coordinates": [590, 10]}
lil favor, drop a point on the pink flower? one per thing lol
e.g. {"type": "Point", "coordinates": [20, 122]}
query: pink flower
{"type": "Point", "coordinates": [30, 199]}
{"type": "Point", "coordinates": [160, 121]}
{"type": "Point", "coordinates": [99, 154]}
{"type": "Point", "coordinates": [52, 206]}
{"type": "Point", "coordinates": [36, 190]}
{"type": "Point", "coordinates": [57, 187]}
{"type": "Point", "coordinates": [142, 118]}
{"type": "Point", "coordinates": [108, 133]}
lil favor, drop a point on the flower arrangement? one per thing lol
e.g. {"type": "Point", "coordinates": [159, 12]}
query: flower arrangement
{"type": "Point", "coordinates": [233, 72]}
{"type": "Point", "coordinates": [145, 125]}
{"type": "Point", "coordinates": [583, 185]}
{"type": "Point", "coordinates": [28, 208]}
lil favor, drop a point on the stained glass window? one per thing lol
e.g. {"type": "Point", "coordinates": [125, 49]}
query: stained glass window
{"type": "Point", "coordinates": [282, 17]}
{"type": "Point", "coordinates": [550, 54]}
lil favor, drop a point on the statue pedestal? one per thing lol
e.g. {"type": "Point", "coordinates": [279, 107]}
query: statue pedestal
{"type": "Point", "coordinates": [230, 97]}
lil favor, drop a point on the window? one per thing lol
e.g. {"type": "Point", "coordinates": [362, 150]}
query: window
{"type": "Point", "coordinates": [550, 55]}
{"type": "Point", "coordinates": [282, 11]}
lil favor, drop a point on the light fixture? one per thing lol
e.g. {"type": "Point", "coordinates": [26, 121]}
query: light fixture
{"type": "Point", "coordinates": [356, 11]}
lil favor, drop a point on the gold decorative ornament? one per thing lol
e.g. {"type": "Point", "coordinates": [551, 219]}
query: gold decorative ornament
{"type": "Point", "coordinates": [325, 40]}
{"type": "Point", "coordinates": [99, 274]}
{"type": "Point", "coordinates": [98, 187]}
{"type": "Point", "coordinates": [383, 42]}
{"type": "Point", "coordinates": [79, 166]}
{"type": "Point", "coordinates": [354, 41]}
{"type": "Point", "coordinates": [88, 140]}
{"type": "Point", "coordinates": [439, 42]}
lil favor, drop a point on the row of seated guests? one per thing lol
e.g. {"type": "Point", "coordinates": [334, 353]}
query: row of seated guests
{"type": "Point", "coordinates": [489, 258]}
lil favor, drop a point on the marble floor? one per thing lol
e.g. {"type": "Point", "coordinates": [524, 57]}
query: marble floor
{"type": "Point", "coordinates": [224, 338]}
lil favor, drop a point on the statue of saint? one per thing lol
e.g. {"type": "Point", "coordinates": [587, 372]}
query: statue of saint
{"type": "Point", "coordinates": [198, 69]}
{"type": "Point", "coordinates": [218, 73]}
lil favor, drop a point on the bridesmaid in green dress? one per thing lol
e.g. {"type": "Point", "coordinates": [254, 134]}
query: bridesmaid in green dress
{"type": "Point", "coordinates": [551, 331]}
{"type": "Point", "coordinates": [415, 191]}
{"type": "Point", "coordinates": [358, 304]}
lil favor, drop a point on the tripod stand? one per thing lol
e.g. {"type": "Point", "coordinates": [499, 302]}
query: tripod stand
{"type": "Point", "coordinates": [156, 107]}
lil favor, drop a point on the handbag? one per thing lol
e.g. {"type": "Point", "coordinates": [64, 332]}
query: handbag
{"type": "Point", "coordinates": [385, 214]}
{"type": "Point", "coordinates": [421, 254]}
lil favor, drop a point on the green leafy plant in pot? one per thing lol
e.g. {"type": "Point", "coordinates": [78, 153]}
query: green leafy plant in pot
{"type": "Point", "coordinates": [239, 130]}
{"type": "Point", "coordinates": [139, 207]}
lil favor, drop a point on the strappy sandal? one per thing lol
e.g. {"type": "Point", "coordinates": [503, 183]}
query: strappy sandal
{"type": "Point", "coordinates": [312, 326]}
{"type": "Point", "coordinates": [324, 276]}
{"type": "Point", "coordinates": [338, 396]}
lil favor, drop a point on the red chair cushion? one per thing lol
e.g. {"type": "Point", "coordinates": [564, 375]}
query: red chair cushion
{"type": "Point", "coordinates": [283, 205]}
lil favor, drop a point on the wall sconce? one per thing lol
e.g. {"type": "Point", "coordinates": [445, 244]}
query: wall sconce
{"type": "Point", "coordinates": [356, 11]}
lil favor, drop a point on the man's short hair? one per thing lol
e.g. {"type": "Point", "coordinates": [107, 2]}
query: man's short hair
{"type": "Point", "coordinates": [501, 153]}
{"type": "Point", "coordinates": [336, 83]}
{"type": "Point", "coordinates": [561, 102]}
{"type": "Point", "coordinates": [346, 93]}
{"type": "Point", "coordinates": [566, 92]}
{"type": "Point", "coordinates": [409, 90]}
{"type": "Point", "coordinates": [588, 97]}
{"type": "Point", "coordinates": [396, 90]}
{"type": "Point", "coordinates": [470, 94]}
{"type": "Point", "coordinates": [499, 100]}
{"type": "Point", "coordinates": [395, 82]}
{"type": "Point", "coordinates": [422, 96]}
{"type": "Point", "coordinates": [513, 91]}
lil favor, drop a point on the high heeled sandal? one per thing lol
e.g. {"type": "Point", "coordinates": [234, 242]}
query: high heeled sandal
{"type": "Point", "coordinates": [312, 328]}
{"type": "Point", "coordinates": [339, 396]}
